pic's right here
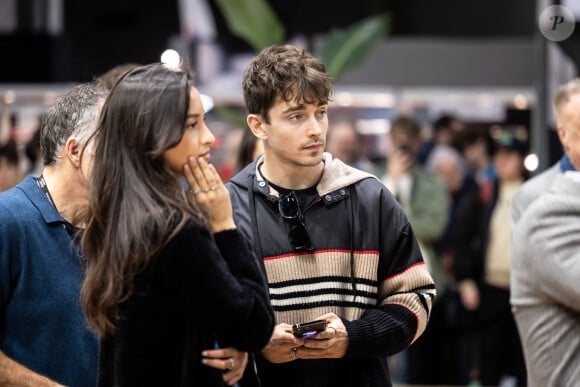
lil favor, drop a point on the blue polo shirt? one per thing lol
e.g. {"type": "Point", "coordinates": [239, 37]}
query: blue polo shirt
{"type": "Point", "coordinates": [41, 322]}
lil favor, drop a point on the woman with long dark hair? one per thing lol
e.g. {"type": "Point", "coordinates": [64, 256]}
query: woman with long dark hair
{"type": "Point", "coordinates": [168, 274]}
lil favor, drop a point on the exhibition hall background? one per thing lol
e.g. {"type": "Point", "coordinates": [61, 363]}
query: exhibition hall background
{"type": "Point", "coordinates": [482, 60]}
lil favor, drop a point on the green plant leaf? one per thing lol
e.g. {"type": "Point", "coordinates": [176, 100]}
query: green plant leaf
{"type": "Point", "coordinates": [254, 21]}
{"type": "Point", "coordinates": [345, 49]}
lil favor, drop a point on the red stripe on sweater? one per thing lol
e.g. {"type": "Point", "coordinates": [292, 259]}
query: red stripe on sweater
{"type": "Point", "coordinates": [366, 252]}
{"type": "Point", "coordinates": [402, 272]}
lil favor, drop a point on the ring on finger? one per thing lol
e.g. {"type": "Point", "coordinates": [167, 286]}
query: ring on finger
{"type": "Point", "coordinates": [232, 364]}
{"type": "Point", "coordinates": [293, 353]}
{"type": "Point", "coordinates": [212, 188]}
{"type": "Point", "coordinates": [196, 192]}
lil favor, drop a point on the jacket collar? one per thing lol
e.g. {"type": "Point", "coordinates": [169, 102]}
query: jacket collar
{"type": "Point", "coordinates": [335, 176]}
{"type": "Point", "coordinates": [31, 189]}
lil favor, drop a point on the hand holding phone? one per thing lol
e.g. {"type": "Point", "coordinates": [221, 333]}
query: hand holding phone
{"type": "Point", "coordinates": [308, 329]}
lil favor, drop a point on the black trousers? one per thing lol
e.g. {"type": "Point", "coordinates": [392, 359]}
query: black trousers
{"type": "Point", "coordinates": [500, 351]}
{"type": "Point", "coordinates": [444, 354]}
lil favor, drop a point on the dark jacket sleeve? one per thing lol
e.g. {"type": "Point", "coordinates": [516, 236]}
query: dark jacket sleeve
{"type": "Point", "coordinates": [221, 285]}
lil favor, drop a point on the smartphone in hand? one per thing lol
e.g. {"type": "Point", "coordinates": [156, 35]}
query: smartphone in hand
{"type": "Point", "coordinates": [308, 329]}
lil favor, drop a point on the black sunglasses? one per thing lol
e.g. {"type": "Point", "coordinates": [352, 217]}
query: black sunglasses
{"type": "Point", "coordinates": [290, 211]}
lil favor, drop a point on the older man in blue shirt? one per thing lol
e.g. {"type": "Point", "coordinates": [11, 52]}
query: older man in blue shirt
{"type": "Point", "coordinates": [44, 340]}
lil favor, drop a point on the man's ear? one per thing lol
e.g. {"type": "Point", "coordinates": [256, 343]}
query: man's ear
{"type": "Point", "coordinates": [256, 125]}
{"type": "Point", "coordinates": [561, 134]}
{"type": "Point", "coordinates": [73, 150]}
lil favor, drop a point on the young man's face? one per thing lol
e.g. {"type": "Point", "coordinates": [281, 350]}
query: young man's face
{"type": "Point", "coordinates": [296, 133]}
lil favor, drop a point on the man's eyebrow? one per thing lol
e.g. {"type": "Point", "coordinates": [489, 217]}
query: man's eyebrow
{"type": "Point", "coordinates": [294, 108]}
{"type": "Point", "coordinates": [301, 107]}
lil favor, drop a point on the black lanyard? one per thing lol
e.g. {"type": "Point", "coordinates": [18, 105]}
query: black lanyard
{"type": "Point", "coordinates": [42, 185]}
{"type": "Point", "coordinates": [73, 231]}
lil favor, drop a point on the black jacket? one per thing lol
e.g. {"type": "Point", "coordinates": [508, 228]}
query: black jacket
{"type": "Point", "coordinates": [366, 267]}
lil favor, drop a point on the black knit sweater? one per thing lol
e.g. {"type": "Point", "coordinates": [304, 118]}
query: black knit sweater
{"type": "Point", "coordinates": [196, 291]}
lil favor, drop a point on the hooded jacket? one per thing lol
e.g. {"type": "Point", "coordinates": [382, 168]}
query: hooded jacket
{"type": "Point", "coordinates": [366, 267]}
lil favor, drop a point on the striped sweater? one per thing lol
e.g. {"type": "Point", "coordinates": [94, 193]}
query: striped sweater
{"type": "Point", "coordinates": [304, 286]}
{"type": "Point", "coordinates": [366, 267]}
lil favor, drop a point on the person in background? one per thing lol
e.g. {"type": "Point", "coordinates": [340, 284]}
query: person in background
{"type": "Point", "coordinates": [345, 144]}
{"type": "Point", "coordinates": [240, 147]}
{"type": "Point", "coordinates": [34, 154]}
{"type": "Point", "coordinates": [422, 195]}
{"type": "Point", "coordinates": [229, 153]}
{"type": "Point", "coordinates": [334, 243]}
{"type": "Point", "coordinates": [44, 340]}
{"type": "Point", "coordinates": [168, 275]}
{"type": "Point", "coordinates": [250, 148]}
{"type": "Point", "coordinates": [445, 130]}
{"type": "Point", "coordinates": [426, 203]}
{"type": "Point", "coordinates": [476, 146]}
{"type": "Point", "coordinates": [482, 265]}
{"type": "Point", "coordinates": [453, 350]}
{"type": "Point", "coordinates": [9, 166]}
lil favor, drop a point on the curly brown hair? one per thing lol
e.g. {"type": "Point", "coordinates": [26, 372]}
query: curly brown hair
{"type": "Point", "coordinates": [287, 72]}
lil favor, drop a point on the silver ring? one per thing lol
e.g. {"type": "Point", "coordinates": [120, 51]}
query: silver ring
{"type": "Point", "coordinates": [293, 353]}
{"type": "Point", "coordinates": [334, 329]}
{"type": "Point", "coordinates": [196, 192]}
{"type": "Point", "coordinates": [232, 364]}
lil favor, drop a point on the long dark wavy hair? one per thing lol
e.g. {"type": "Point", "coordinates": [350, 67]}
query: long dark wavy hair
{"type": "Point", "coordinates": [136, 203]}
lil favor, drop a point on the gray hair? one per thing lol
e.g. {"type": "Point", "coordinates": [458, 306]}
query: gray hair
{"type": "Point", "coordinates": [563, 95]}
{"type": "Point", "coordinates": [441, 153]}
{"type": "Point", "coordinates": [75, 114]}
